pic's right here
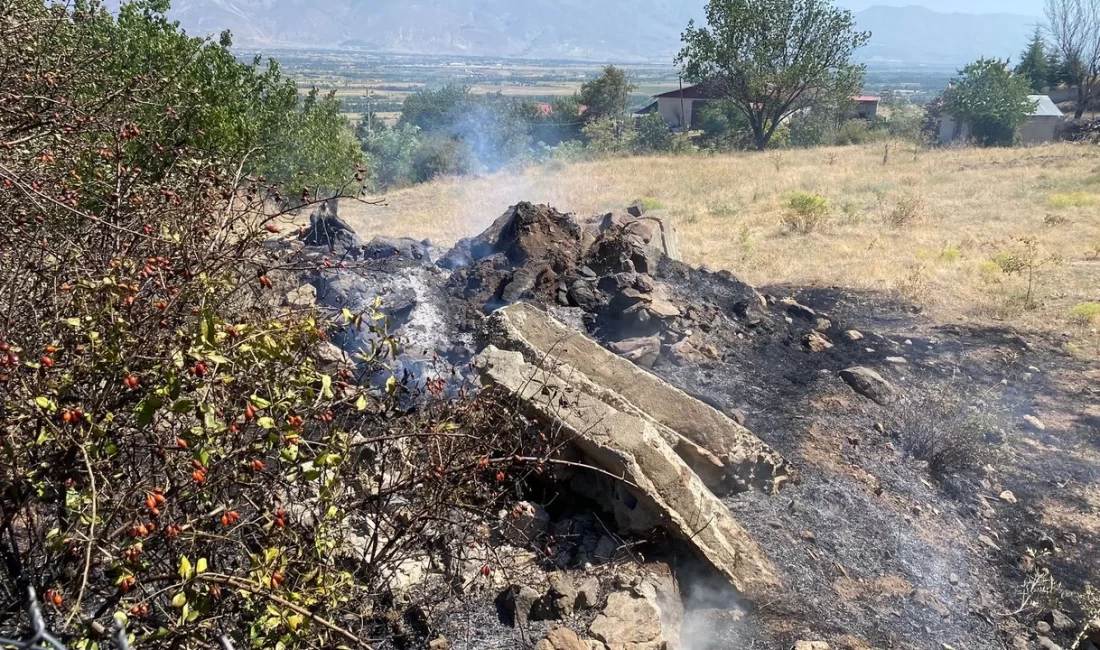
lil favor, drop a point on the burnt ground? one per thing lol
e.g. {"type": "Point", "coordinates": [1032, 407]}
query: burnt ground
{"type": "Point", "coordinates": [875, 549]}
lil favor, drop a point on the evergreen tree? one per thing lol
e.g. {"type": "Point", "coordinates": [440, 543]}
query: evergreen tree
{"type": "Point", "coordinates": [1035, 63]}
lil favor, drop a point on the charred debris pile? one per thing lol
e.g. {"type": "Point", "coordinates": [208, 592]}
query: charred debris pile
{"type": "Point", "coordinates": [665, 522]}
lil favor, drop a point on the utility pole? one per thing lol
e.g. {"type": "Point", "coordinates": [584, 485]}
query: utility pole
{"type": "Point", "coordinates": [683, 118]}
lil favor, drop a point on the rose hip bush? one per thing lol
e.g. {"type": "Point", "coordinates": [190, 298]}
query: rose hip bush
{"type": "Point", "coordinates": [174, 452]}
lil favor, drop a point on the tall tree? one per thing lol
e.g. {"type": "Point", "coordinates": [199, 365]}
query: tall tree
{"type": "Point", "coordinates": [990, 98]}
{"type": "Point", "coordinates": [1074, 27]}
{"type": "Point", "coordinates": [1035, 62]}
{"type": "Point", "coordinates": [773, 58]}
{"type": "Point", "coordinates": [606, 95]}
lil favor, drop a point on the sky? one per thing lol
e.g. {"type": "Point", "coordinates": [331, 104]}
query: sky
{"type": "Point", "coordinates": [1024, 7]}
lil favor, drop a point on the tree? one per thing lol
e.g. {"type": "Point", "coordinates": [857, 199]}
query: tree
{"type": "Point", "coordinates": [607, 94]}
{"type": "Point", "coordinates": [654, 135]}
{"type": "Point", "coordinates": [1074, 27]}
{"type": "Point", "coordinates": [1035, 63]}
{"type": "Point", "coordinates": [991, 99]}
{"type": "Point", "coordinates": [773, 58]}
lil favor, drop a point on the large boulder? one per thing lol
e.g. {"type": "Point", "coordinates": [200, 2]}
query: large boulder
{"type": "Point", "coordinates": [561, 638]}
{"type": "Point", "coordinates": [868, 383]}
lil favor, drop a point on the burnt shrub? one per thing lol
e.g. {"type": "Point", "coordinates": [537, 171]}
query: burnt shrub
{"type": "Point", "coordinates": [943, 431]}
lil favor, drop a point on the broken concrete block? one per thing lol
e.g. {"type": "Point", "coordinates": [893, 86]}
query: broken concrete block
{"type": "Point", "coordinates": [660, 485]}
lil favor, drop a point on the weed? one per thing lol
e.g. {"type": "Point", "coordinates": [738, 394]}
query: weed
{"type": "Point", "coordinates": [907, 210]}
{"type": "Point", "coordinates": [806, 212]}
{"type": "Point", "coordinates": [1052, 220]}
{"type": "Point", "coordinates": [746, 242]}
{"type": "Point", "coordinates": [650, 203]}
{"type": "Point", "coordinates": [1073, 200]}
{"type": "Point", "coordinates": [1087, 313]}
{"type": "Point", "coordinates": [1026, 259]}
{"type": "Point", "coordinates": [950, 255]}
{"type": "Point", "coordinates": [722, 210]}
{"type": "Point", "coordinates": [914, 286]}
{"type": "Point", "coordinates": [852, 215]}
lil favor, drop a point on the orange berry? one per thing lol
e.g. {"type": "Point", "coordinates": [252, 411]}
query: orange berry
{"type": "Point", "coordinates": [181, 443]}
{"type": "Point", "coordinates": [199, 476]}
{"type": "Point", "coordinates": [272, 228]}
{"type": "Point", "coordinates": [50, 349]}
{"type": "Point", "coordinates": [54, 598]}
{"type": "Point", "coordinates": [47, 362]}
{"type": "Point", "coordinates": [500, 477]}
{"type": "Point", "coordinates": [258, 465]}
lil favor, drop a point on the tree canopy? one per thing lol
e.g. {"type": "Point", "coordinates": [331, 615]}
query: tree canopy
{"type": "Point", "coordinates": [607, 94]}
{"type": "Point", "coordinates": [772, 58]}
{"type": "Point", "coordinates": [1036, 64]}
{"type": "Point", "coordinates": [992, 99]}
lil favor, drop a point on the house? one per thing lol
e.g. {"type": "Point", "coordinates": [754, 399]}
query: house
{"type": "Point", "coordinates": [866, 107]}
{"type": "Point", "coordinates": [1040, 127]}
{"type": "Point", "coordinates": [681, 107]}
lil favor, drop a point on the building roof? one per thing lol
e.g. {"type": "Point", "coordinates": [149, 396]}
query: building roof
{"type": "Point", "coordinates": [1045, 106]}
{"type": "Point", "coordinates": [866, 98]}
{"type": "Point", "coordinates": [696, 91]}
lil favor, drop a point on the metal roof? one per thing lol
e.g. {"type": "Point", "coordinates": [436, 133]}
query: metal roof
{"type": "Point", "coordinates": [1045, 106]}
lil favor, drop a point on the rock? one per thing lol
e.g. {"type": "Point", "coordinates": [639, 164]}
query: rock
{"type": "Point", "coordinates": [636, 209]}
{"type": "Point", "coordinates": [698, 432]}
{"type": "Point", "coordinates": [1019, 642]}
{"type": "Point", "coordinates": [816, 342]}
{"type": "Point", "coordinates": [658, 487]}
{"type": "Point", "coordinates": [588, 593]}
{"type": "Point", "coordinates": [1034, 423]}
{"type": "Point", "coordinates": [1008, 497]}
{"type": "Point", "coordinates": [822, 325]}
{"type": "Point", "coordinates": [304, 297]}
{"type": "Point", "coordinates": [663, 309]}
{"type": "Point", "coordinates": [439, 643]}
{"type": "Point", "coordinates": [562, 595]}
{"type": "Point", "coordinates": [582, 295]}
{"type": "Point", "coordinates": [629, 622]}
{"type": "Point", "coordinates": [897, 360]}
{"type": "Point", "coordinates": [607, 548]}
{"type": "Point", "coordinates": [953, 579]}
{"type": "Point", "coordinates": [644, 283]}
{"type": "Point", "coordinates": [642, 351]}
{"type": "Point", "coordinates": [1046, 644]}
{"type": "Point", "coordinates": [384, 247]}
{"type": "Point", "coordinates": [811, 645]}
{"type": "Point", "coordinates": [517, 602]}
{"type": "Point", "coordinates": [988, 541]}
{"type": "Point", "coordinates": [1061, 622]}
{"type": "Point", "coordinates": [408, 573]}
{"type": "Point", "coordinates": [868, 383]}
{"type": "Point", "coordinates": [562, 639]}
{"type": "Point", "coordinates": [929, 600]}
{"type": "Point", "coordinates": [796, 310]}
{"type": "Point", "coordinates": [327, 229]}
{"type": "Point", "coordinates": [854, 335]}
{"type": "Point", "coordinates": [524, 523]}
{"type": "Point", "coordinates": [1042, 627]}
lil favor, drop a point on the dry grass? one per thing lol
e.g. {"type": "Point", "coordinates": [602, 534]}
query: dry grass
{"type": "Point", "coordinates": [925, 226]}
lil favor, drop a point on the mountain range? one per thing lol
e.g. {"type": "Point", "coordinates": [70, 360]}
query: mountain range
{"type": "Point", "coordinates": [597, 30]}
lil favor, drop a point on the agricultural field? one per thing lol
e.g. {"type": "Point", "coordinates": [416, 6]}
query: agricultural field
{"type": "Point", "coordinates": [1006, 236]}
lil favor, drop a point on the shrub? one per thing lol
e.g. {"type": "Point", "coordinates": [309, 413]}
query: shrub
{"type": "Point", "coordinates": [943, 431]}
{"type": "Point", "coordinates": [654, 135]}
{"type": "Point", "coordinates": [1073, 200]}
{"type": "Point", "coordinates": [907, 210]}
{"type": "Point", "coordinates": [440, 155]}
{"type": "Point", "coordinates": [650, 203]}
{"type": "Point", "coordinates": [950, 255]}
{"type": "Point", "coordinates": [1087, 313]}
{"type": "Point", "coordinates": [805, 213]}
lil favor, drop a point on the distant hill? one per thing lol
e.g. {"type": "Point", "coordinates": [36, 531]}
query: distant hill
{"type": "Point", "coordinates": [603, 30]}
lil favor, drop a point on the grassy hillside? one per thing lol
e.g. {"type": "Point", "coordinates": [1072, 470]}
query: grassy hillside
{"type": "Point", "coordinates": [939, 228]}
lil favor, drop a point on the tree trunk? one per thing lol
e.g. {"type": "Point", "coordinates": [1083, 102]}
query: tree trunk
{"type": "Point", "coordinates": [1081, 97]}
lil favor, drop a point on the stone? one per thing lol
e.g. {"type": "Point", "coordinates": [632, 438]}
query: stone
{"type": "Point", "coordinates": [1042, 627]}
{"type": "Point", "coordinates": [796, 310]}
{"type": "Point", "coordinates": [636, 209]}
{"type": "Point", "coordinates": [629, 622]}
{"type": "Point", "coordinates": [1034, 423]}
{"type": "Point", "coordinates": [644, 283]}
{"type": "Point", "coordinates": [304, 297]}
{"type": "Point", "coordinates": [1008, 497]}
{"type": "Point", "coordinates": [562, 638]}
{"type": "Point", "coordinates": [707, 440]}
{"type": "Point", "coordinates": [868, 383]}
{"type": "Point", "coordinates": [642, 351]}
{"type": "Point", "coordinates": [582, 295]}
{"type": "Point", "coordinates": [815, 341]}
{"type": "Point", "coordinates": [900, 361]}
{"type": "Point", "coordinates": [988, 541]}
{"type": "Point", "coordinates": [854, 335]}
{"type": "Point", "coordinates": [663, 309]}
{"type": "Point", "coordinates": [382, 247]}
{"type": "Point", "coordinates": [439, 643]}
{"type": "Point", "coordinates": [517, 602]}
{"type": "Point", "coordinates": [953, 579]}
{"type": "Point", "coordinates": [588, 593]}
{"type": "Point", "coordinates": [562, 595]}
{"type": "Point", "coordinates": [811, 645]}
{"type": "Point", "coordinates": [1019, 642]}
{"type": "Point", "coordinates": [822, 325]}
{"type": "Point", "coordinates": [607, 548]}
{"type": "Point", "coordinates": [1061, 622]}
{"type": "Point", "coordinates": [657, 488]}
{"type": "Point", "coordinates": [1046, 644]}
{"type": "Point", "coordinates": [408, 573]}
{"type": "Point", "coordinates": [524, 523]}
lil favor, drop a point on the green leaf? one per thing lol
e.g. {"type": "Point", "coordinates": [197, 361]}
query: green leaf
{"type": "Point", "coordinates": [200, 566]}
{"type": "Point", "coordinates": [147, 410]}
{"type": "Point", "coordinates": [186, 572]}
{"type": "Point", "coordinates": [45, 404]}
{"type": "Point", "coordinates": [183, 406]}
{"type": "Point", "coordinates": [391, 384]}
{"type": "Point", "coordinates": [217, 358]}
{"type": "Point", "coordinates": [361, 403]}
{"type": "Point", "coordinates": [326, 386]}
{"type": "Point", "coordinates": [73, 323]}
{"type": "Point", "coordinates": [266, 422]}
{"type": "Point", "coordinates": [209, 333]}
{"type": "Point", "coordinates": [259, 402]}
